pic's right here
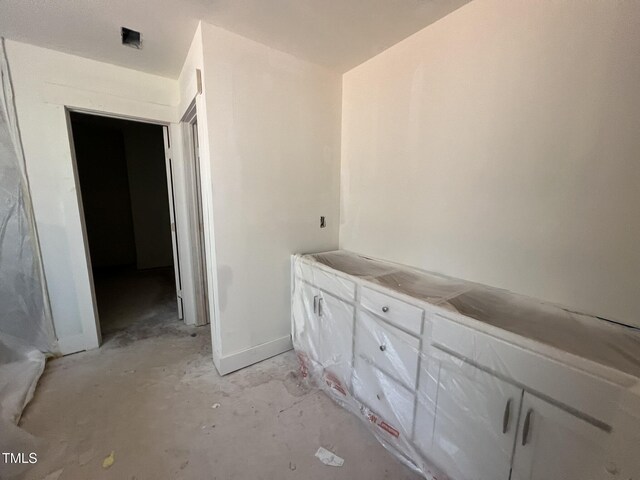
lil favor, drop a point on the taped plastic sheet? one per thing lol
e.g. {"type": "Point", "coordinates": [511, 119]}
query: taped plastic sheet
{"type": "Point", "coordinates": [462, 381]}
{"type": "Point", "coordinates": [26, 332]}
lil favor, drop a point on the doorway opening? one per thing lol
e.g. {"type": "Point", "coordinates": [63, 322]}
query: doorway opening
{"type": "Point", "coordinates": [126, 193]}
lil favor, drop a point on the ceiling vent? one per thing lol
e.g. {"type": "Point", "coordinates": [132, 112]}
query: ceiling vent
{"type": "Point", "coordinates": [131, 38]}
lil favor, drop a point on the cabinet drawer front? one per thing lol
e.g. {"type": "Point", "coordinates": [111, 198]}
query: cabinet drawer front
{"type": "Point", "coordinates": [389, 348]}
{"type": "Point", "coordinates": [384, 396]}
{"type": "Point", "coordinates": [339, 286]}
{"type": "Point", "coordinates": [393, 310]}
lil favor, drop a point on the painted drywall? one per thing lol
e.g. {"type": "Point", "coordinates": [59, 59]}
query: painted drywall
{"type": "Point", "coordinates": [270, 150]}
{"type": "Point", "coordinates": [272, 171]}
{"type": "Point", "coordinates": [501, 145]}
{"type": "Point", "coordinates": [45, 81]}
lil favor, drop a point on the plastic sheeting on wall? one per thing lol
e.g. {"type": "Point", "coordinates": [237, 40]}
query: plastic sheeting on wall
{"type": "Point", "coordinates": [463, 381]}
{"type": "Point", "coordinates": [26, 331]}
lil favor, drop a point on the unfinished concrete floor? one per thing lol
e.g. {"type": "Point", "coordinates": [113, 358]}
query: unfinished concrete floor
{"type": "Point", "coordinates": [128, 297]}
{"type": "Point", "coordinates": [148, 394]}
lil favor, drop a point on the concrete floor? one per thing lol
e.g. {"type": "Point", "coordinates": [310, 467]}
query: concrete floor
{"type": "Point", "coordinates": [148, 395]}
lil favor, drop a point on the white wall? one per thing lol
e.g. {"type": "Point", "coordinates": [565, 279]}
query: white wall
{"type": "Point", "coordinates": [45, 81]}
{"type": "Point", "coordinates": [273, 170]}
{"type": "Point", "coordinates": [501, 144]}
{"type": "Point", "coordinates": [270, 147]}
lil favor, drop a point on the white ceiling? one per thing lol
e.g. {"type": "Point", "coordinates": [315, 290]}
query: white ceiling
{"type": "Point", "coordinates": [339, 34]}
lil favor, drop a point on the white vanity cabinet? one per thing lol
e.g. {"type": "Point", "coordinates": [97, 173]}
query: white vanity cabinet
{"type": "Point", "coordinates": [459, 398]}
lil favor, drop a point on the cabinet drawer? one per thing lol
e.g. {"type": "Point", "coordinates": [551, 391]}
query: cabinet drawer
{"type": "Point", "coordinates": [384, 396]}
{"type": "Point", "coordinates": [339, 286]}
{"type": "Point", "coordinates": [389, 348]}
{"type": "Point", "coordinates": [393, 310]}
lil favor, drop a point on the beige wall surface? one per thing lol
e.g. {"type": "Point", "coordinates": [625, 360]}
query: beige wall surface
{"type": "Point", "coordinates": [273, 170]}
{"type": "Point", "coordinates": [502, 145]}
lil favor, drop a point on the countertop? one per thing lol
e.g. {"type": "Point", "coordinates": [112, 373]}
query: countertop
{"type": "Point", "coordinates": [582, 335]}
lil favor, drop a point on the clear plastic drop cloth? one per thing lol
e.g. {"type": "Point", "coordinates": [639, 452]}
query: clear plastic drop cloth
{"type": "Point", "coordinates": [462, 381]}
{"type": "Point", "coordinates": [26, 331]}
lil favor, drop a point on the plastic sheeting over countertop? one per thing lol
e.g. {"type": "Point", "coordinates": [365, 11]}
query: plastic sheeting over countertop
{"type": "Point", "coordinates": [586, 336]}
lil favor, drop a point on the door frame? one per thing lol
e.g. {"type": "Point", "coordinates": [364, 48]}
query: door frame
{"type": "Point", "coordinates": [193, 186]}
{"type": "Point", "coordinates": [171, 198]}
{"type": "Point", "coordinates": [92, 335]}
{"type": "Point", "coordinates": [194, 105]}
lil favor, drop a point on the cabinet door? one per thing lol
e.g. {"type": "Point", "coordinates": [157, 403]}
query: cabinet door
{"type": "Point", "coordinates": [475, 423]}
{"type": "Point", "coordinates": [555, 444]}
{"type": "Point", "coordinates": [335, 324]}
{"type": "Point", "coordinates": [306, 326]}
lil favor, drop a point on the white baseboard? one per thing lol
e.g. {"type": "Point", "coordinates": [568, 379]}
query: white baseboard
{"type": "Point", "coordinates": [72, 344]}
{"type": "Point", "coordinates": [236, 361]}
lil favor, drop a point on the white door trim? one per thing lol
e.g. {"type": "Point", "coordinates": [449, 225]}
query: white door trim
{"type": "Point", "coordinates": [171, 199]}
{"type": "Point", "coordinates": [197, 107]}
{"type": "Point", "coordinates": [196, 215]}
{"type": "Point", "coordinates": [91, 336]}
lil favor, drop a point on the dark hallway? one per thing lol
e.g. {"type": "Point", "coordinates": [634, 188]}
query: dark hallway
{"type": "Point", "coordinates": [123, 182]}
